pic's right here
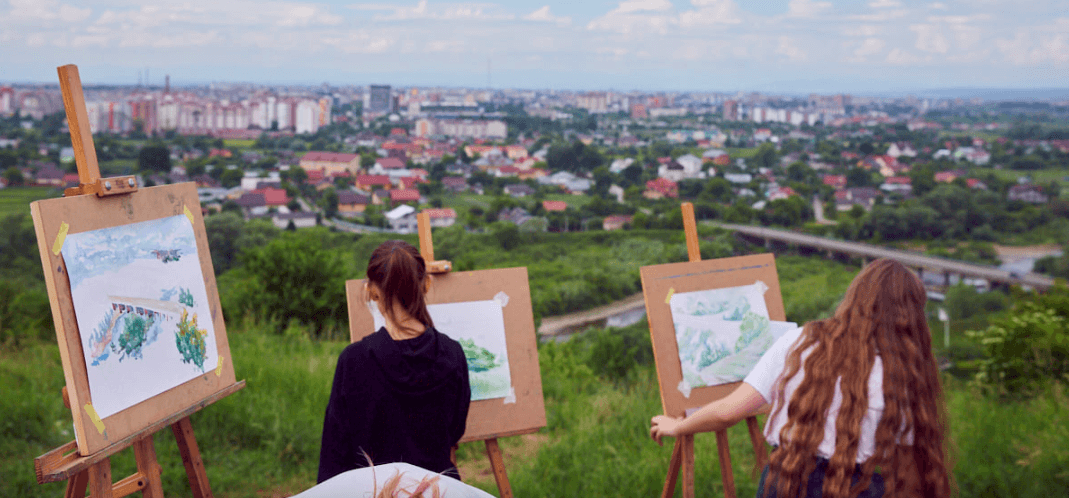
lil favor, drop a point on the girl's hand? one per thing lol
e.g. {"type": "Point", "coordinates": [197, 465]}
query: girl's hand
{"type": "Point", "coordinates": [662, 426]}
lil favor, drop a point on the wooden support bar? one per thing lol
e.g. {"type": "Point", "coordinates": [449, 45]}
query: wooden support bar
{"type": "Point", "coordinates": [497, 464]}
{"type": "Point", "coordinates": [726, 473]}
{"type": "Point", "coordinates": [148, 467]}
{"type": "Point", "coordinates": [426, 245]}
{"type": "Point", "coordinates": [100, 479]}
{"type": "Point", "coordinates": [673, 470]}
{"type": "Point", "coordinates": [759, 449]}
{"type": "Point", "coordinates": [187, 446]}
{"type": "Point", "coordinates": [76, 485]}
{"type": "Point", "coordinates": [130, 485]}
{"type": "Point", "coordinates": [690, 228]}
{"type": "Point", "coordinates": [85, 154]}
{"type": "Point", "coordinates": [688, 465]}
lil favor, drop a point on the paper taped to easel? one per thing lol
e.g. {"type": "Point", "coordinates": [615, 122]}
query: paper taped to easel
{"type": "Point", "coordinates": [502, 298]}
{"type": "Point", "coordinates": [511, 398]}
{"type": "Point", "coordinates": [684, 388]}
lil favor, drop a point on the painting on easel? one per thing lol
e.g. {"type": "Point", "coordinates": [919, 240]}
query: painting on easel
{"type": "Point", "coordinates": [142, 309]}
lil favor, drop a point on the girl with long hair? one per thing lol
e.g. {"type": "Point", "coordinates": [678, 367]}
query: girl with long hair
{"type": "Point", "coordinates": [857, 405]}
{"type": "Point", "coordinates": [400, 394]}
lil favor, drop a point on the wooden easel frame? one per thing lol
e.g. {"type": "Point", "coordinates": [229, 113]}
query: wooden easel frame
{"type": "Point", "coordinates": [683, 451]}
{"type": "Point", "coordinates": [94, 470]}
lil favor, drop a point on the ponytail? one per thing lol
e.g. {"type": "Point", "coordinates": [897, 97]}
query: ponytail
{"type": "Point", "coordinates": [400, 274]}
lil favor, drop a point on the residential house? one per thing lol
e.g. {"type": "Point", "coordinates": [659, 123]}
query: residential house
{"type": "Point", "coordinates": [505, 171]}
{"type": "Point", "coordinates": [712, 155]}
{"type": "Point", "coordinates": [252, 204]}
{"type": "Point", "coordinates": [615, 222]}
{"type": "Point", "coordinates": [441, 218]}
{"type": "Point", "coordinates": [949, 176]}
{"type": "Point", "coordinates": [897, 150]}
{"type": "Point", "coordinates": [659, 188]}
{"type": "Point", "coordinates": [519, 190]}
{"type": "Point", "coordinates": [50, 175]}
{"type": "Point", "coordinates": [617, 192]}
{"type": "Point", "coordinates": [899, 184]}
{"type": "Point", "coordinates": [861, 196]}
{"type": "Point", "coordinates": [515, 215]}
{"type": "Point", "coordinates": [351, 203]}
{"type": "Point", "coordinates": [834, 181]}
{"type": "Point", "coordinates": [455, 184]}
{"type": "Point", "coordinates": [738, 178]}
{"type": "Point", "coordinates": [777, 193]}
{"type": "Point", "coordinates": [619, 165]}
{"type": "Point", "coordinates": [552, 206]}
{"type": "Point", "coordinates": [371, 182]}
{"type": "Point", "coordinates": [273, 197]}
{"type": "Point", "coordinates": [1028, 192]}
{"type": "Point", "coordinates": [410, 182]}
{"type": "Point", "coordinates": [975, 183]}
{"type": "Point", "coordinates": [402, 219]}
{"type": "Point", "coordinates": [299, 219]}
{"type": "Point", "coordinates": [384, 165]}
{"type": "Point", "coordinates": [404, 195]}
{"type": "Point", "coordinates": [380, 196]}
{"type": "Point", "coordinates": [330, 163]}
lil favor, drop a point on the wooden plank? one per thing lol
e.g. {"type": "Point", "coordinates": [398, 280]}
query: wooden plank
{"type": "Point", "coordinates": [76, 485]}
{"type": "Point", "coordinates": [148, 467]}
{"type": "Point", "coordinates": [687, 451]}
{"type": "Point", "coordinates": [130, 485]}
{"type": "Point", "coordinates": [690, 229]}
{"type": "Point", "coordinates": [50, 467]}
{"type": "Point", "coordinates": [426, 244]}
{"type": "Point", "coordinates": [673, 470]}
{"type": "Point", "coordinates": [497, 464]}
{"type": "Point", "coordinates": [187, 446]}
{"type": "Point", "coordinates": [760, 450]}
{"type": "Point", "coordinates": [85, 154]}
{"type": "Point", "coordinates": [100, 479]}
{"type": "Point", "coordinates": [726, 473]}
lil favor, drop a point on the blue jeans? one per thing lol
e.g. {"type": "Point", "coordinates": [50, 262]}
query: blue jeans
{"type": "Point", "coordinates": [814, 488]}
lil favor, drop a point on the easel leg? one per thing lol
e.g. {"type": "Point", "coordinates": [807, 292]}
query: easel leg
{"type": "Point", "coordinates": [149, 467]}
{"type": "Point", "coordinates": [726, 474]}
{"type": "Point", "coordinates": [187, 446]}
{"type": "Point", "coordinates": [76, 485]}
{"type": "Point", "coordinates": [100, 479]}
{"type": "Point", "coordinates": [497, 464]}
{"type": "Point", "coordinates": [759, 449]}
{"type": "Point", "coordinates": [673, 470]}
{"type": "Point", "coordinates": [688, 466]}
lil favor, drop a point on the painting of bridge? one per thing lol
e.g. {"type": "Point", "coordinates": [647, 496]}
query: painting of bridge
{"type": "Point", "coordinates": [142, 310]}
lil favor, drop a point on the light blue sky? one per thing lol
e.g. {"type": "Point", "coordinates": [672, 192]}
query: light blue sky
{"type": "Point", "coordinates": [796, 46]}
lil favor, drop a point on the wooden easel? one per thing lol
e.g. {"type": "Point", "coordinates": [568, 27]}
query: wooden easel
{"type": "Point", "coordinates": [683, 452]}
{"type": "Point", "coordinates": [493, 450]}
{"type": "Point", "coordinates": [94, 470]}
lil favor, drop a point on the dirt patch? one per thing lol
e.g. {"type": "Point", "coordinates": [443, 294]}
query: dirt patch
{"type": "Point", "coordinates": [521, 448]}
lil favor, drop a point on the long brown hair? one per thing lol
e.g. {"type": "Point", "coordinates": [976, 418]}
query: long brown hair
{"type": "Point", "coordinates": [882, 311]}
{"type": "Point", "coordinates": [399, 273]}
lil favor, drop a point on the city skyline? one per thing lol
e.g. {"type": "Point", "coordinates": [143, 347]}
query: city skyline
{"type": "Point", "coordinates": [789, 46]}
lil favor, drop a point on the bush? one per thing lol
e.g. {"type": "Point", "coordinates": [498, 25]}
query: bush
{"type": "Point", "coordinates": [964, 302]}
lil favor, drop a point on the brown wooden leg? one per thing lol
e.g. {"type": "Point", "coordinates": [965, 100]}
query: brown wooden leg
{"type": "Point", "coordinates": [497, 464]}
{"type": "Point", "coordinates": [76, 485]}
{"type": "Point", "coordinates": [726, 474]}
{"type": "Point", "coordinates": [148, 467]}
{"type": "Point", "coordinates": [688, 466]}
{"type": "Point", "coordinates": [187, 446]}
{"type": "Point", "coordinates": [673, 470]}
{"type": "Point", "coordinates": [759, 449]}
{"type": "Point", "coordinates": [100, 479]}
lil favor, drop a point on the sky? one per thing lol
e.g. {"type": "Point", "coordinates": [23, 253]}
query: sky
{"type": "Point", "coordinates": [785, 46]}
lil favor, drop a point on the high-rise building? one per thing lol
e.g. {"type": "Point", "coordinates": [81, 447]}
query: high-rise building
{"type": "Point", "coordinates": [379, 99]}
{"type": "Point", "coordinates": [731, 110]}
{"type": "Point", "coordinates": [7, 101]}
{"type": "Point", "coordinates": [638, 111]}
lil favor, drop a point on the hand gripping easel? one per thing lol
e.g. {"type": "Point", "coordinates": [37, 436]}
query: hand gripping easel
{"type": "Point", "coordinates": [91, 465]}
{"type": "Point", "coordinates": [493, 450]}
{"type": "Point", "coordinates": [683, 451]}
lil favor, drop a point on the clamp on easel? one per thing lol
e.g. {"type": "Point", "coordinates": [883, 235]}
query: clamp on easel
{"type": "Point", "coordinates": [493, 450]}
{"type": "Point", "coordinates": [683, 451]}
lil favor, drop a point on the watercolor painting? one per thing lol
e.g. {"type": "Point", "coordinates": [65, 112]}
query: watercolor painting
{"type": "Point", "coordinates": [142, 310]}
{"type": "Point", "coordinates": [721, 333]}
{"type": "Point", "coordinates": [479, 327]}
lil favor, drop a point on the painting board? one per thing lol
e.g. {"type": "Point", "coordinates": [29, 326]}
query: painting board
{"type": "Point", "coordinates": [661, 283]}
{"type": "Point", "coordinates": [523, 410]}
{"type": "Point", "coordinates": [75, 217]}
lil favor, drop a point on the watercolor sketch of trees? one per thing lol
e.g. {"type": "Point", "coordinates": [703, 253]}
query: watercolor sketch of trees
{"type": "Point", "coordinates": [479, 327]}
{"type": "Point", "coordinates": [142, 310]}
{"type": "Point", "coordinates": [720, 333]}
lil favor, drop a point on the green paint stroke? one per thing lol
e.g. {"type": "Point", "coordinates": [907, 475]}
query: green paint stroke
{"type": "Point", "coordinates": [479, 358]}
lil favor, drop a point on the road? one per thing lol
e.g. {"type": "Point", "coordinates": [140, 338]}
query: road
{"type": "Point", "coordinates": [554, 325]}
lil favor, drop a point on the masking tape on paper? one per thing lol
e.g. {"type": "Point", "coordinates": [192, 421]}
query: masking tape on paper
{"type": "Point", "coordinates": [502, 298]}
{"type": "Point", "coordinates": [188, 213]}
{"type": "Point", "coordinates": [219, 367]}
{"type": "Point", "coordinates": [60, 237]}
{"type": "Point", "coordinates": [684, 388]}
{"type": "Point", "coordinates": [761, 287]}
{"type": "Point", "coordinates": [511, 398]}
{"type": "Point", "coordinates": [668, 299]}
{"type": "Point", "coordinates": [89, 410]}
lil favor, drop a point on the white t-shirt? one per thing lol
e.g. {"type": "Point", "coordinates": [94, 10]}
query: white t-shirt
{"type": "Point", "coordinates": [362, 483]}
{"type": "Point", "coordinates": [771, 366]}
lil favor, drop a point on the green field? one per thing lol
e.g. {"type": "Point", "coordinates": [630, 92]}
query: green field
{"type": "Point", "coordinates": [238, 143]}
{"type": "Point", "coordinates": [18, 199]}
{"type": "Point", "coordinates": [1042, 177]}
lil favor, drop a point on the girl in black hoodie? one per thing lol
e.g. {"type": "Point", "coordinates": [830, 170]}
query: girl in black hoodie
{"type": "Point", "coordinates": [400, 394]}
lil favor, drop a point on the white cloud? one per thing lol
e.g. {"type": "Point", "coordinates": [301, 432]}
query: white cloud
{"type": "Point", "coordinates": [900, 57]}
{"type": "Point", "coordinates": [930, 38]}
{"type": "Point", "coordinates": [885, 4]}
{"type": "Point", "coordinates": [543, 14]}
{"type": "Point", "coordinates": [456, 11]}
{"type": "Point", "coordinates": [711, 12]}
{"type": "Point", "coordinates": [938, 6]}
{"type": "Point", "coordinates": [806, 8]}
{"type": "Point", "coordinates": [861, 30]}
{"type": "Point", "coordinates": [629, 6]}
{"type": "Point", "coordinates": [870, 46]}
{"type": "Point", "coordinates": [789, 48]}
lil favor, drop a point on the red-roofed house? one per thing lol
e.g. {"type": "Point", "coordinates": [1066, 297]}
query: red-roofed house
{"type": "Point", "coordinates": [507, 171]}
{"type": "Point", "coordinates": [330, 162]}
{"type": "Point", "coordinates": [410, 182]}
{"type": "Point", "coordinates": [404, 195]}
{"type": "Point", "coordinates": [976, 184]}
{"type": "Point", "coordinates": [948, 176]}
{"type": "Point", "coordinates": [420, 173]}
{"type": "Point", "coordinates": [314, 176]}
{"type": "Point", "coordinates": [455, 184]}
{"type": "Point", "coordinates": [659, 188]}
{"type": "Point", "coordinates": [551, 206]}
{"type": "Point", "coordinates": [370, 182]}
{"type": "Point", "coordinates": [444, 217]}
{"type": "Point", "coordinates": [273, 196]}
{"type": "Point", "coordinates": [350, 202]}
{"type": "Point", "coordinates": [899, 180]}
{"type": "Point", "coordinates": [398, 131]}
{"type": "Point", "coordinates": [835, 181]}
{"type": "Point", "coordinates": [615, 222]}
{"type": "Point", "coordinates": [781, 193]}
{"type": "Point", "coordinates": [220, 153]}
{"type": "Point", "coordinates": [388, 163]}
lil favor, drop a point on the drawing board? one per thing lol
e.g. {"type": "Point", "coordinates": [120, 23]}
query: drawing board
{"type": "Point", "coordinates": [135, 306]}
{"type": "Point", "coordinates": [489, 313]}
{"type": "Point", "coordinates": [710, 321]}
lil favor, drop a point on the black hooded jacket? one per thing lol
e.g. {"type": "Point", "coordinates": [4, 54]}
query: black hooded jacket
{"type": "Point", "coordinates": [398, 401]}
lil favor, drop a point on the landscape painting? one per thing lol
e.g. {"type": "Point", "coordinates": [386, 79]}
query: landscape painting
{"type": "Point", "coordinates": [479, 327]}
{"type": "Point", "coordinates": [142, 310]}
{"type": "Point", "coordinates": [720, 333]}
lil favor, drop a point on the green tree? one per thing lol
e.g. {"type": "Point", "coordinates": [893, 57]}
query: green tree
{"type": "Point", "coordinates": [154, 157]}
{"type": "Point", "coordinates": [13, 177]}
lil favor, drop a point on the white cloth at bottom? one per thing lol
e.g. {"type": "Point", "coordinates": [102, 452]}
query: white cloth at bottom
{"type": "Point", "coordinates": [363, 483]}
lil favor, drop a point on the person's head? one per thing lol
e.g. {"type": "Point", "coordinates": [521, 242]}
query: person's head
{"type": "Point", "coordinates": [397, 281]}
{"type": "Point", "coordinates": [882, 314]}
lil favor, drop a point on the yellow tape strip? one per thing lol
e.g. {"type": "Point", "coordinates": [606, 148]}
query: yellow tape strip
{"type": "Point", "coordinates": [189, 214]}
{"type": "Point", "coordinates": [219, 367]}
{"type": "Point", "coordinates": [60, 237]}
{"type": "Point", "coordinates": [671, 291]}
{"type": "Point", "coordinates": [89, 410]}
